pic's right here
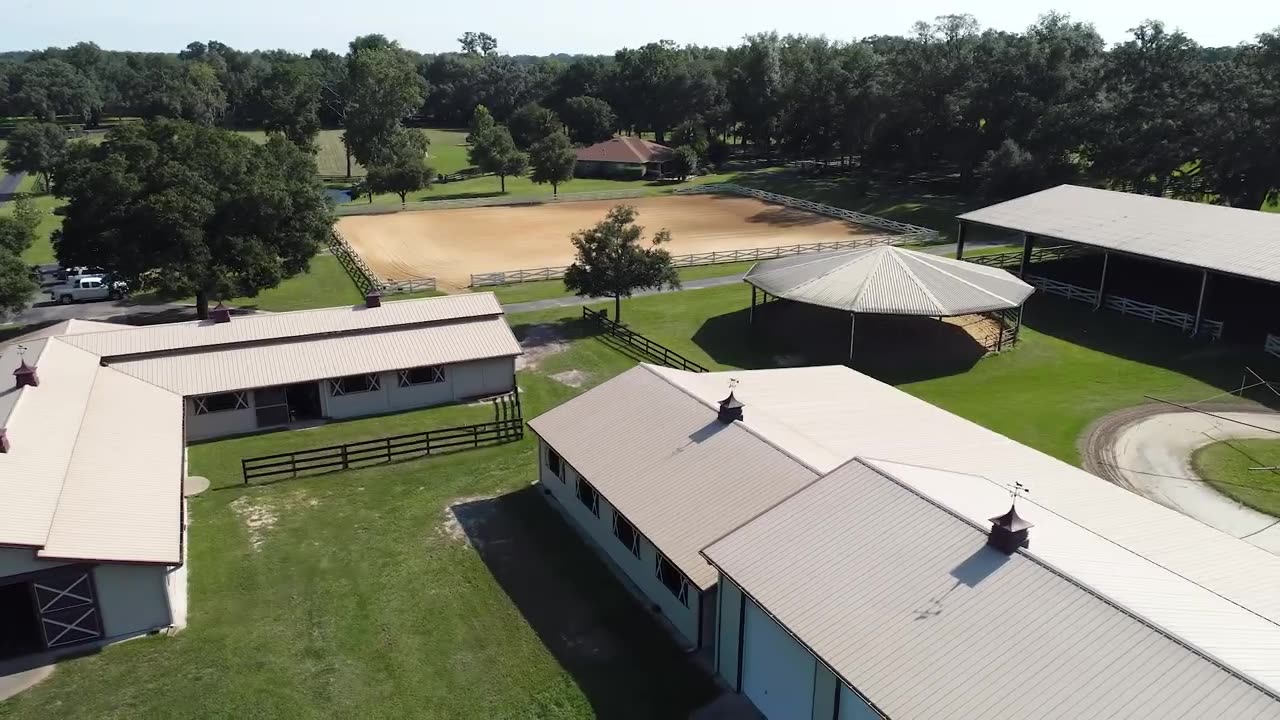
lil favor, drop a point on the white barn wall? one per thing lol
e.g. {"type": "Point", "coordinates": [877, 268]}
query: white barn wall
{"type": "Point", "coordinates": [217, 424]}
{"type": "Point", "coordinates": [482, 377]}
{"type": "Point", "coordinates": [357, 404]}
{"type": "Point", "coordinates": [727, 637]}
{"type": "Point", "coordinates": [134, 598]}
{"type": "Point", "coordinates": [641, 571]}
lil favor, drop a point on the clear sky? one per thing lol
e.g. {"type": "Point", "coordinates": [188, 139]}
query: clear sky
{"type": "Point", "coordinates": [586, 26]}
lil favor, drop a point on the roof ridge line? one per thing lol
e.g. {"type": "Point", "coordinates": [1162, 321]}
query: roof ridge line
{"type": "Point", "coordinates": [653, 369]}
{"type": "Point", "coordinates": [920, 284]}
{"type": "Point", "coordinates": [942, 269]}
{"type": "Point", "coordinates": [1175, 637]}
{"type": "Point", "coordinates": [84, 413]}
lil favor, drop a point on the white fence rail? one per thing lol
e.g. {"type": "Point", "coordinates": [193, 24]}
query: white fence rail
{"type": "Point", "coordinates": [910, 232]}
{"type": "Point", "coordinates": [490, 201]}
{"type": "Point", "coordinates": [1153, 313]}
{"type": "Point", "coordinates": [1272, 345]}
{"type": "Point", "coordinates": [400, 287]}
{"type": "Point", "coordinates": [716, 257]}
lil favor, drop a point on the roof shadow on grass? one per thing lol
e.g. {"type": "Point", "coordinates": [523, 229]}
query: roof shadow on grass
{"type": "Point", "coordinates": [618, 655]}
{"type": "Point", "coordinates": [894, 349]}
{"type": "Point", "coordinates": [1217, 363]}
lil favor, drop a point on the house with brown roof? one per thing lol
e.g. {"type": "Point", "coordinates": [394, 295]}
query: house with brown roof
{"type": "Point", "coordinates": [94, 426]}
{"type": "Point", "coordinates": [622, 158]}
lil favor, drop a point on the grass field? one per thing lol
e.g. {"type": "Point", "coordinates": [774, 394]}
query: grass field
{"type": "Point", "coordinates": [357, 597]}
{"type": "Point", "coordinates": [446, 153]}
{"type": "Point", "coordinates": [41, 251]}
{"type": "Point", "coordinates": [1225, 466]}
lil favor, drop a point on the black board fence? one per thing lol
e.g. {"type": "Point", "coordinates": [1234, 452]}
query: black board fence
{"type": "Point", "coordinates": [641, 344]}
{"type": "Point", "coordinates": [507, 426]}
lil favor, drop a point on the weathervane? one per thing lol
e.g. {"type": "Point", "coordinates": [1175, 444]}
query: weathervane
{"type": "Point", "coordinates": [1017, 491]}
{"type": "Point", "coordinates": [22, 350]}
{"type": "Point", "coordinates": [733, 383]}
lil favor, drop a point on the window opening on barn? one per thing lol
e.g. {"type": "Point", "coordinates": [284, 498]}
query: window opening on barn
{"type": "Point", "coordinates": [675, 580]}
{"type": "Point", "coordinates": [589, 497]}
{"type": "Point", "coordinates": [421, 375]}
{"type": "Point", "coordinates": [352, 384]}
{"type": "Point", "coordinates": [221, 402]}
{"type": "Point", "coordinates": [626, 533]}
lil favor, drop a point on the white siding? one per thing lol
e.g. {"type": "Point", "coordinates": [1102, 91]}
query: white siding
{"type": "Point", "coordinates": [217, 424]}
{"type": "Point", "coordinates": [361, 403]}
{"type": "Point", "coordinates": [778, 674]}
{"type": "Point", "coordinates": [480, 378]}
{"type": "Point", "coordinates": [133, 598]}
{"type": "Point", "coordinates": [425, 395]}
{"type": "Point", "coordinates": [727, 626]}
{"type": "Point", "coordinates": [641, 571]}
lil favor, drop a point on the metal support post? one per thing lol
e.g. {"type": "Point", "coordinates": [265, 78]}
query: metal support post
{"type": "Point", "coordinates": [1204, 284]}
{"type": "Point", "coordinates": [1102, 285]}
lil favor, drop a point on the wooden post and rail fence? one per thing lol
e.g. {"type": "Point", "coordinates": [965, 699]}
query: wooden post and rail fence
{"type": "Point", "coordinates": [640, 344]}
{"type": "Point", "coordinates": [507, 426]}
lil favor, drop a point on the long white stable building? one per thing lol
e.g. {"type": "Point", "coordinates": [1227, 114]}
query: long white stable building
{"type": "Point", "coordinates": [840, 549]}
{"type": "Point", "coordinates": [93, 431]}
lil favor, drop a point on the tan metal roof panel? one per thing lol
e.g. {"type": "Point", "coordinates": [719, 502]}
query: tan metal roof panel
{"type": "Point", "coordinates": [665, 461]}
{"type": "Point", "coordinates": [908, 603]}
{"type": "Point", "coordinates": [890, 280]}
{"type": "Point", "coordinates": [253, 366]}
{"type": "Point", "coordinates": [73, 326]}
{"type": "Point", "coordinates": [121, 499]}
{"type": "Point", "coordinates": [1230, 240]}
{"type": "Point", "coordinates": [1204, 586]}
{"type": "Point", "coordinates": [246, 329]}
{"type": "Point", "coordinates": [42, 424]}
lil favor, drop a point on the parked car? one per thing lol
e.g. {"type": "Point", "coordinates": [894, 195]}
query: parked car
{"type": "Point", "coordinates": [88, 287]}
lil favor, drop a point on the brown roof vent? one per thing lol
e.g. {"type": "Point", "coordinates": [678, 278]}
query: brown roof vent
{"type": "Point", "coordinates": [25, 375]}
{"type": "Point", "coordinates": [373, 299]}
{"type": "Point", "coordinates": [4, 440]}
{"type": "Point", "coordinates": [220, 313]}
{"type": "Point", "coordinates": [1009, 532]}
{"type": "Point", "coordinates": [730, 407]}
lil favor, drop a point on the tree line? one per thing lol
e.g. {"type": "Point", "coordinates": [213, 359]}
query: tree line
{"type": "Point", "coordinates": [1005, 112]}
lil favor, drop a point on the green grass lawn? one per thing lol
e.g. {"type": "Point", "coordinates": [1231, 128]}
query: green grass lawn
{"type": "Point", "coordinates": [446, 153]}
{"type": "Point", "coordinates": [41, 251]}
{"type": "Point", "coordinates": [1226, 466]}
{"type": "Point", "coordinates": [325, 285]}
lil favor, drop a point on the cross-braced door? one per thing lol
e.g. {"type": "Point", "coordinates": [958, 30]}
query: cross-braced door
{"type": "Point", "coordinates": [68, 608]}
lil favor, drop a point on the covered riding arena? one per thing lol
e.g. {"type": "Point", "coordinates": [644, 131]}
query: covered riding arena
{"type": "Point", "coordinates": [1209, 270]}
{"type": "Point", "coordinates": [452, 244]}
{"type": "Point", "coordinates": [885, 310]}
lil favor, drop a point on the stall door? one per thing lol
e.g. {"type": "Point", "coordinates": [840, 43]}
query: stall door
{"type": "Point", "coordinates": [777, 672]}
{"type": "Point", "coordinates": [67, 606]}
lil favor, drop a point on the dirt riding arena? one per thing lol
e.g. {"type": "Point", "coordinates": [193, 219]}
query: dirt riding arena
{"type": "Point", "coordinates": [451, 245]}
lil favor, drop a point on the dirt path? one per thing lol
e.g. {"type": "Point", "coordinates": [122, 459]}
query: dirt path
{"type": "Point", "coordinates": [450, 245]}
{"type": "Point", "coordinates": [1147, 449]}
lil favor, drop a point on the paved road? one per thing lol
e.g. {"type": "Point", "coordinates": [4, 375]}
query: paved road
{"type": "Point", "coordinates": [1150, 453]}
{"type": "Point", "coordinates": [46, 313]}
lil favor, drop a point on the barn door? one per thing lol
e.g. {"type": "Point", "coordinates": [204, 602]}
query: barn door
{"type": "Point", "coordinates": [68, 608]}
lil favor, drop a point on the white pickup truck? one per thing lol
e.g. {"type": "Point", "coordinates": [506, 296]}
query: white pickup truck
{"type": "Point", "coordinates": [87, 287]}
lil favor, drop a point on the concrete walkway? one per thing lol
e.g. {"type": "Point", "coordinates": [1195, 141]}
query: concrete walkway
{"type": "Point", "coordinates": [1150, 453]}
{"type": "Point", "coordinates": [17, 676]}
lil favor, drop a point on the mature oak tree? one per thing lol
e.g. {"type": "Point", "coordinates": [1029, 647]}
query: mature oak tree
{"type": "Point", "coordinates": [589, 120]}
{"type": "Point", "coordinates": [17, 233]}
{"type": "Point", "coordinates": [610, 260]}
{"type": "Point", "coordinates": [35, 148]}
{"type": "Point", "coordinates": [553, 160]}
{"type": "Point", "coordinates": [493, 151]}
{"type": "Point", "coordinates": [531, 123]}
{"type": "Point", "coordinates": [192, 211]}
{"type": "Point", "coordinates": [402, 168]}
{"type": "Point", "coordinates": [684, 162]}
